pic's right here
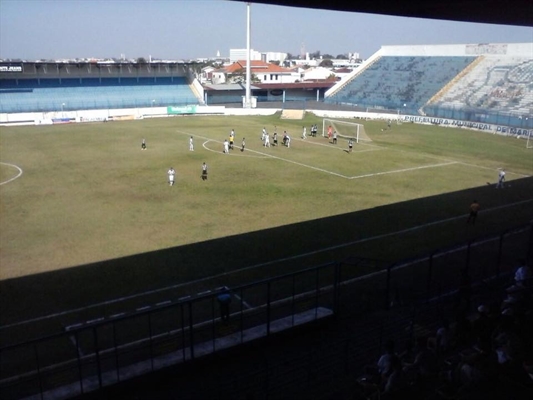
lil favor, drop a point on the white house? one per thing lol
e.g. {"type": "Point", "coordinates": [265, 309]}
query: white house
{"type": "Point", "coordinates": [262, 71]}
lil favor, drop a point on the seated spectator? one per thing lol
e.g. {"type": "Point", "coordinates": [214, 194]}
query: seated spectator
{"type": "Point", "coordinates": [482, 329]}
{"type": "Point", "coordinates": [523, 276]}
{"type": "Point", "coordinates": [396, 380]}
{"type": "Point", "coordinates": [382, 369]}
{"type": "Point", "coordinates": [462, 330]}
{"type": "Point", "coordinates": [425, 364]}
{"type": "Point", "coordinates": [443, 340]}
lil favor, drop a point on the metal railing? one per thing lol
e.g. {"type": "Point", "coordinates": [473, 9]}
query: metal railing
{"type": "Point", "coordinates": [110, 350]}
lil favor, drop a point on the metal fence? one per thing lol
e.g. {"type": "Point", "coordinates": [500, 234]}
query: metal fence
{"type": "Point", "coordinates": [103, 353]}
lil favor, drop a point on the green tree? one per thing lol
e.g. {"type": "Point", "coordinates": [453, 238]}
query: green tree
{"type": "Point", "coordinates": [141, 60]}
{"type": "Point", "coordinates": [326, 63]}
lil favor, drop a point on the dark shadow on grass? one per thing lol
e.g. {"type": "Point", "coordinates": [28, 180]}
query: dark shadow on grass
{"type": "Point", "coordinates": [267, 253]}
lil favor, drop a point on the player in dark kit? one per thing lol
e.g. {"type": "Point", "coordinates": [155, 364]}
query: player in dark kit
{"type": "Point", "coordinates": [474, 208]}
{"type": "Point", "coordinates": [204, 171]}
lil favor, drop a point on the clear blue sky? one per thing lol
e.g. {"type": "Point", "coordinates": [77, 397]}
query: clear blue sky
{"type": "Point", "coordinates": [185, 29]}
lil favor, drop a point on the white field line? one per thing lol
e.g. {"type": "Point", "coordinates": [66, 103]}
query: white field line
{"type": "Point", "coordinates": [493, 169]}
{"type": "Point", "coordinates": [245, 303]}
{"type": "Point", "coordinates": [265, 155]}
{"type": "Point", "coordinates": [73, 340]}
{"type": "Point", "coordinates": [228, 154]}
{"type": "Point", "coordinates": [279, 158]}
{"type": "Point", "coordinates": [291, 258]}
{"type": "Point", "coordinates": [403, 170]}
{"type": "Point", "coordinates": [12, 179]}
{"type": "Point", "coordinates": [335, 147]}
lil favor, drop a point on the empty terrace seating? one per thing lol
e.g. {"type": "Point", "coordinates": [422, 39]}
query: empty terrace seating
{"type": "Point", "coordinates": [496, 84]}
{"type": "Point", "coordinates": [43, 95]}
{"type": "Point", "coordinates": [391, 82]}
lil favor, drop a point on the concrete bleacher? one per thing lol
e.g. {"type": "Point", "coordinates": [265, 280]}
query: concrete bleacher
{"type": "Point", "coordinates": [392, 81]}
{"type": "Point", "coordinates": [497, 83]}
{"type": "Point", "coordinates": [29, 95]}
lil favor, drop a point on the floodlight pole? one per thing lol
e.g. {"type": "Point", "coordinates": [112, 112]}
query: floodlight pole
{"type": "Point", "coordinates": [248, 100]}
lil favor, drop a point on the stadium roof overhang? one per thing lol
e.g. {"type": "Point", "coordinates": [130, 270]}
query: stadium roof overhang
{"type": "Point", "coordinates": [504, 12]}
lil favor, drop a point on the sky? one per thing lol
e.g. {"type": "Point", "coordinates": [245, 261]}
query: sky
{"type": "Point", "coordinates": [190, 29]}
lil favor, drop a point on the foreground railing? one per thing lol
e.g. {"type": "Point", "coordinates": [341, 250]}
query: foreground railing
{"type": "Point", "coordinates": [109, 350]}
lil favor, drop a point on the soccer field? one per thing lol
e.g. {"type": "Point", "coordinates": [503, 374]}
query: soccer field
{"type": "Point", "coordinates": [79, 194]}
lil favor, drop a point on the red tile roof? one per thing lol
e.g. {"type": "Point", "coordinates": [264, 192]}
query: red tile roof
{"type": "Point", "coordinates": [257, 66]}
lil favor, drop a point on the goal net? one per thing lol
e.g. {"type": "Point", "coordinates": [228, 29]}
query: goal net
{"type": "Point", "coordinates": [345, 130]}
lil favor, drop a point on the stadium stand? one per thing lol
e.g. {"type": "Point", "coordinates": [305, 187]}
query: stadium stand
{"type": "Point", "coordinates": [487, 83]}
{"type": "Point", "coordinates": [495, 83]}
{"type": "Point", "coordinates": [53, 87]}
{"type": "Point", "coordinates": [93, 93]}
{"type": "Point", "coordinates": [391, 82]}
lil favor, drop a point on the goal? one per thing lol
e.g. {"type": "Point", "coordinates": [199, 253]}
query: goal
{"type": "Point", "coordinates": [345, 130]}
{"type": "Point", "coordinates": [529, 142]}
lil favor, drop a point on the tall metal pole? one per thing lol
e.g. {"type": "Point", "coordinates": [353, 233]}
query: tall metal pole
{"type": "Point", "coordinates": [248, 99]}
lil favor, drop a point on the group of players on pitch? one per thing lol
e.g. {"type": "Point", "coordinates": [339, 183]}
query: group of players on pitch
{"type": "Point", "coordinates": [265, 139]}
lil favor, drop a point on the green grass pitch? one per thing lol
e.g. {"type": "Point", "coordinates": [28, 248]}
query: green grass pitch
{"type": "Point", "coordinates": [88, 193]}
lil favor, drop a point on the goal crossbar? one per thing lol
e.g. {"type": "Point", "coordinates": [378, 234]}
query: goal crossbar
{"type": "Point", "coordinates": [344, 130]}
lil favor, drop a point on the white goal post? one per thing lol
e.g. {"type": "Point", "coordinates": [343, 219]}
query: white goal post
{"type": "Point", "coordinates": [529, 142]}
{"type": "Point", "coordinates": [345, 130]}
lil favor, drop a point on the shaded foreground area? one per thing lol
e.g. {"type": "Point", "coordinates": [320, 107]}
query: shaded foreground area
{"type": "Point", "coordinates": [365, 296]}
{"type": "Point", "coordinates": [123, 285]}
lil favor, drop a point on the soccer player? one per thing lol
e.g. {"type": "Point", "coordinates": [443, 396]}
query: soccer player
{"type": "Point", "coordinates": [304, 133]}
{"type": "Point", "coordinates": [243, 144]}
{"type": "Point", "coordinates": [204, 171]}
{"type": "Point", "coordinates": [330, 132]}
{"type": "Point", "coordinates": [275, 139]}
{"type": "Point", "coordinates": [226, 146]}
{"type": "Point", "coordinates": [474, 208]}
{"type": "Point", "coordinates": [501, 179]}
{"type": "Point", "coordinates": [191, 144]}
{"type": "Point", "coordinates": [350, 145]}
{"type": "Point", "coordinates": [171, 173]}
{"type": "Point", "coordinates": [143, 144]}
{"type": "Point", "coordinates": [334, 137]}
{"type": "Point", "coordinates": [267, 139]}
{"type": "Point", "coordinates": [288, 141]}
{"type": "Point", "coordinates": [263, 134]}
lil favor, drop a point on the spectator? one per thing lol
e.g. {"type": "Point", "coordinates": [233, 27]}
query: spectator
{"type": "Point", "coordinates": [377, 374]}
{"type": "Point", "coordinates": [425, 364]}
{"type": "Point", "coordinates": [482, 329]}
{"type": "Point", "coordinates": [224, 300]}
{"type": "Point", "coordinates": [385, 361]}
{"type": "Point", "coordinates": [523, 276]}
{"type": "Point", "coordinates": [443, 339]}
{"type": "Point", "coordinates": [396, 379]}
{"type": "Point", "coordinates": [463, 329]}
